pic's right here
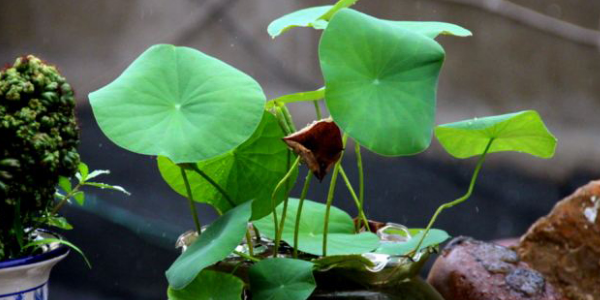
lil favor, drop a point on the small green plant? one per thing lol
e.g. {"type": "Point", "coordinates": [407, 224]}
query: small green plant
{"type": "Point", "coordinates": [38, 153]}
{"type": "Point", "coordinates": [218, 142]}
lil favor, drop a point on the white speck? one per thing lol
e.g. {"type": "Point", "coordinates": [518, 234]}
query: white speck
{"type": "Point", "coordinates": [177, 106]}
{"type": "Point", "coordinates": [591, 213]}
{"type": "Point", "coordinates": [376, 81]}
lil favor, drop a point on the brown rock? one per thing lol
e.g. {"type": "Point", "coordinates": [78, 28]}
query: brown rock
{"type": "Point", "coordinates": [565, 245]}
{"type": "Point", "coordinates": [473, 270]}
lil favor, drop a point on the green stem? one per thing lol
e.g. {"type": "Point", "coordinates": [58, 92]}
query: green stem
{"type": "Point", "coordinates": [288, 118]}
{"type": "Point", "coordinates": [246, 256]}
{"type": "Point", "coordinates": [459, 200]}
{"type": "Point", "coordinates": [249, 242]}
{"type": "Point", "coordinates": [361, 214]}
{"type": "Point", "coordinates": [65, 199]}
{"type": "Point", "coordinates": [299, 212]}
{"type": "Point", "coordinates": [330, 194]}
{"type": "Point", "coordinates": [213, 183]}
{"type": "Point", "coordinates": [285, 200]}
{"type": "Point", "coordinates": [361, 182]}
{"type": "Point", "coordinates": [282, 121]}
{"type": "Point", "coordinates": [285, 178]}
{"type": "Point", "coordinates": [191, 201]}
{"type": "Point", "coordinates": [318, 109]}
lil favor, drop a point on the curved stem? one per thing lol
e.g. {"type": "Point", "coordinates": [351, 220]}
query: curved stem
{"type": "Point", "coordinates": [318, 109]}
{"type": "Point", "coordinates": [246, 256]}
{"type": "Point", "coordinates": [361, 214]}
{"type": "Point", "coordinates": [213, 183]}
{"type": "Point", "coordinates": [459, 200]}
{"type": "Point", "coordinates": [274, 208]}
{"type": "Point", "coordinates": [361, 182]}
{"type": "Point", "coordinates": [330, 194]}
{"type": "Point", "coordinates": [191, 201]}
{"type": "Point", "coordinates": [65, 199]}
{"type": "Point", "coordinates": [299, 212]}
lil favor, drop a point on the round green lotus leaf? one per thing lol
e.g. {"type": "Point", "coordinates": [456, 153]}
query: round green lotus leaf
{"type": "Point", "coordinates": [250, 171]}
{"type": "Point", "coordinates": [341, 237]}
{"type": "Point", "coordinates": [521, 132]}
{"type": "Point", "coordinates": [282, 279]}
{"type": "Point", "coordinates": [179, 103]}
{"type": "Point", "coordinates": [380, 82]}
{"type": "Point", "coordinates": [210, 285]}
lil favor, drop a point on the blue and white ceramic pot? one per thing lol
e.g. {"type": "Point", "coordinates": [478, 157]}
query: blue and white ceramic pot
{"type": "Point", "coordinates": [27, 278]}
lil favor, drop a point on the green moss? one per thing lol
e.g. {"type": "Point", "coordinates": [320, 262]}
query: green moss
{"type": "Point", "coordinates": [39, 143]}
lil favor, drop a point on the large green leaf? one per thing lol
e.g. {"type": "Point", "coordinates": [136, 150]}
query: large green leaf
{"type": "Point", "coordinates": [434, 237]}
{"type": "Point", "coordinates": [341, 237]}
{"type": "Point", "coordinates": [179, 103]}
{"type": "Point", "coordinates": [521, 131]}
{"type": "Point", "coordinates": [433, 29]}
{"type": "Point", "coordinates": [213, 245]}
{"type": "Point", "coordinates": [282, 279]}
{"type": "Point", "coordinates": [308, 17]}
{"type": "Point", "coordinates": [210, 285]}
{"type": "Point", "coordinates": [380, 82]}
{"type": "Point", "coordinates": [250, 171]}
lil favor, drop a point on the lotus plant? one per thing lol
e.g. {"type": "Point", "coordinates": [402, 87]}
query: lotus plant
{"type": "Point", "coordinates": [219, 141]}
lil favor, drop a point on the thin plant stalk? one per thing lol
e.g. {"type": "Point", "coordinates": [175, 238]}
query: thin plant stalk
{"type": "Point", "coordinates": [249, 242]}
{"type": "Point", "coordinates": [299, 212]}
{"type": "Point", "coordinates": [330, 194]}
{"type": "Point", "coordinates": [191, 201]}
{"type": "Point", "coordinates": [288, 118]}
{"type": "Point", "coordinates": [65, 199]}
{"type": "Point", "coordinates": [213, 183]}
{"type": "Point", "coordinates": [361, 183]}
{"type": "Point", "coordinates": [246, 256]}
{"type": "Point", "coordinates": [274, 208]}
{"type": "Point", "coordinates": [459, 200]}
{"type": "Point", "coordinates": [361, 214]}
{"type": "Point", "coordinates": [285, 198]}
{"type": "Point", "coordinates": [282, 120]}
{"type": "Point", "coordinates": [317, 109]}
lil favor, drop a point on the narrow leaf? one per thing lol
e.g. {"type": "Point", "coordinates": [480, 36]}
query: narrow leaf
{"type": "Point", "coordinates": [108, 186]}
{"type": "Point", "coordinates": [83, 171]}
{"type": "Point", "coordinates": [59, 222]}
{"type": "Point", "coordinates": [59, 241]}
{"type": "Point", "coordinates": [97, 173]}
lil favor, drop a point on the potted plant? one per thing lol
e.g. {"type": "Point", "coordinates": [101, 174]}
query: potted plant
{"type": "Point", "coordinates": [38, 153]}
{"type": "Point", "coordinates": [218, 141]}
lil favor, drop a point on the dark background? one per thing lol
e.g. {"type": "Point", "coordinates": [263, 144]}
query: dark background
{"type": "Point", "coordinates": [541, 55]}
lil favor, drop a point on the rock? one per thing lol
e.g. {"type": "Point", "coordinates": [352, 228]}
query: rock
{"type": "Point", "coordinates": [473, 270]}
{"type": "Point", "coordinates": [565, 245]}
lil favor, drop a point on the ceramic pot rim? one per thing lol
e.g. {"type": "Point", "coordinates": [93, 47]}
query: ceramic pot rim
{"type": "Point", "coordinates": [48, 255]}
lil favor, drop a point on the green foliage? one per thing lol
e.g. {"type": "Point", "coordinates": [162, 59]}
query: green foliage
{"type": "Point", "coordinates": [521, 131]}
{"type": "Point", "coordinates": [282, 279]}
{"type": "Point", "coordinates": [250, 171]}
{"type": "Point", "coordinates": [433, 238]}
{"type": "Point", "coordinates": [210, 285]}
{"type": "Point", "coordinates": [342, 239]}
{"type": "Point", "coordinates": [179, 103]}
{"type": "Point", "coordinates": [380, 82]}
{"type": "Point", "coordinates": [433, 29]}
{"type": "Point", "coordinates": [354, 262]}
{"type": "Point", "coordinates": [213, 245]}
{"type": "Point", "coordinates": [39, 144]}
{"type": "Point", "coordinates": [308, 17]}
{"type": "Point", "coordinates": [48, 241]}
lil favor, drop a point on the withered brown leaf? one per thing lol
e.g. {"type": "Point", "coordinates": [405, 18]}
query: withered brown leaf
{"type": "Point", "coordinates": [319, 145]}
